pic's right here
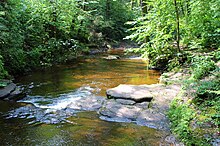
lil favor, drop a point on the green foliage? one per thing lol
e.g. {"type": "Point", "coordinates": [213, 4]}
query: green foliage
{"type": "Point", "coordinates": [201, 66]}
{"type": "Point", "coordinates": [208, 90]}
{"type": "Point", "coordinates": [181, 116]}
{"type": "Point", "coordinates": [216, 55]}
{"type": "Point", "coordinates": [203, 109]}
{"type": "Point", "coordinates": [3, 72]}
{"type": "Point", "coordinates": [203, 23]}
{"type": "Point", "coordinates": [110, 18]}
{"type": "Point", "coordinates": [44, 32]}
{"type": "Point", "coordinates": [156, 30]}
{"type": "Point", "coordinates": [3, 84]}
{"type": "Point", "coordinates": [208, 99]}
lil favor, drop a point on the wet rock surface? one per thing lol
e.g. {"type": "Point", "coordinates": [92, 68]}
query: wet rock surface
{"type": "Point", "coordinates": [16, 94]}
{"type": "Point", "coordinates": [4, 92]}
{"type": "Point", "coordinates": [151, 114]}
{"type": "Point", "coordinates": [38, 115]}
{"type": "Point", "coordinates": [52, 111]}
{"type": "Point", "coordinates": [114, 111]}
{"type": "Point", "coordinates": [93, 103]}
{"type": "Point", "coordinates": [125, 102]}
{"type": "Point", "coordinates": [138, 93]}
{"type": "Point", "coordinates": [112, 57]}
{"type": "Point", "coordinates": [10, 91]}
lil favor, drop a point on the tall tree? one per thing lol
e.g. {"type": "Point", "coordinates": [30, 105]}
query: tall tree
{"type": "Point", "coordinates": [177, 25]}
{"type": "Point", "coordinates": [107, 9]}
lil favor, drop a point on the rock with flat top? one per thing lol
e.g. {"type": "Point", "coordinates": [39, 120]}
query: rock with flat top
{"type": "Point", "coordinates": [125, 102]}
{"type": "Point", "coordinates": [130, 103]}
{"type": "Point", "coordinates": [7, 90]}
{"type": "Point", "coordinates": [137, 93]}
{"type": "Point", "coordinates": [16, 94]}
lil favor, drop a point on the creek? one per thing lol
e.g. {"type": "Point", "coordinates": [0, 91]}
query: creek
{"type": "Point", "coordinates": [42, 117]}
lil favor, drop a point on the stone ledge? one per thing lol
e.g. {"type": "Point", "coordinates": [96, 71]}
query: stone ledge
{"type": "Point", "coordinates": [6, 91]}
{"type": "Point", "coordinates": [137, 93]}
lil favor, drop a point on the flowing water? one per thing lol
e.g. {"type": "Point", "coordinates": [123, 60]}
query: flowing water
{"type": "Point", "coordinates": [42, 117]}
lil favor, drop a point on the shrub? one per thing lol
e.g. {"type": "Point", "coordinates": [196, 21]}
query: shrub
{"type": "Point", "coordinates": [208, 90]}
{"type": "Point", "coordinates": [3, 72]}
{"type": "Point", "coordinates": [182, 115]}
{"type": "Point", "coordinates": [201, 66]}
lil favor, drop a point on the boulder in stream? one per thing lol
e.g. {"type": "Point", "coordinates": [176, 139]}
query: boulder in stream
{"type": "Point", "coordinates": [137, 93]}
{"type": "Point", "coordinates": [145, 105]}
{"type": "Point", "coordinates": [10, 91]}
{"type": "Point", "coordinates": [5, 91]}
{"type": "Point", "coordinates": [115, 111]}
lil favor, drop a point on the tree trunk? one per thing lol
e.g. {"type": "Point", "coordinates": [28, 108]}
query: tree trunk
{"type": "Point", "coordinates": [143, 5]}
{"type": "Point", "coordinates": [177, 26]}
{"type": "Point", "coordinates": [84, 6]}
{"type": "Point", "coordinates": [187, 7]}
{"type": "Point", "coordinates": [107, 11]}
{"type": "Point", "coordinates": [132, 4]}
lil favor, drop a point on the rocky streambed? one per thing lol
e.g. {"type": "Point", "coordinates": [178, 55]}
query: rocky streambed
{"type": "Point", "coordinates": [144, 105]}
{"type": "Point", "coordinates": [57, 97]}
{"type": "Point", "coordinates": [9, 91]}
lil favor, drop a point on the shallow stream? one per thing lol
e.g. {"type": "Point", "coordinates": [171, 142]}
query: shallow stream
{"type": "Point", "coordinates": [42, 117]}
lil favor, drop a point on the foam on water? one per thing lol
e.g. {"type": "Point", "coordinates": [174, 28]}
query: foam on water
{"type": "Point", "coordinates": [51, 110]}
{"type": "Point", "coordinates": [60, 102]}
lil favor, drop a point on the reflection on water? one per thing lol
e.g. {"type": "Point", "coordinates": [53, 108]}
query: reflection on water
{"type": "Point", "coordinates": [86, 129]}
{"type": "Point", "coordinates": [93, 72]}
{"type": "Point", "coordinates": [42, 118]}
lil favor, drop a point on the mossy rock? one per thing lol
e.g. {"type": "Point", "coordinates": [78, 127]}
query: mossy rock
{"type": "Point", "coordinates": [4, 83]}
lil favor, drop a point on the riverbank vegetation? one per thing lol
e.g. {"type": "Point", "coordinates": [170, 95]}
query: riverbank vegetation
{"type": "Point", "coordinates": [45, 32]}
{"type": "Point", "coordinates": [195, 112]}
{"type": "Point", "coordinates": [170, 28]}
{"type": "Point", "coordinates": [183, 35]}
{"type": "Point", "coordinates": [172, 34]}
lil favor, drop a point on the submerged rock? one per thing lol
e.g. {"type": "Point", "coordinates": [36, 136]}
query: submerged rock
{"type": "Point", "coordinates": [111, 57]}
{"type": "Point", "coordinates": [92, 103]}
{"type": "Point", "coordinates": [151, 114]}
{"type": "Point", "coordinates": [40, 115]}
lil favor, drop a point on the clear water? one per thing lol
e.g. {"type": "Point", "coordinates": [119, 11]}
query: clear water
{"type": "Point", "coordinates": [42, 117]}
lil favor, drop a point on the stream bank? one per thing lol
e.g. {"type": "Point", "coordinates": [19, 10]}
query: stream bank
{"type": "Point", "coordinates": [194, 113]}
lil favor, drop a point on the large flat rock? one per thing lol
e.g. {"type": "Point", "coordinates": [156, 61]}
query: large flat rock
{"type": "Point", "coordinates": [125, 108]}
{"type": "Point", "coordinates": [138, 93]}
{"type": "Point", "coordinates": [4, 92]}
